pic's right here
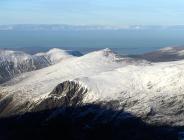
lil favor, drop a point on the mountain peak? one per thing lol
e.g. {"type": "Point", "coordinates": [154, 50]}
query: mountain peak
{"type": "Point", "coordinates": [55, 50]}
{"type": "Point", "coordinates": [107, 50]}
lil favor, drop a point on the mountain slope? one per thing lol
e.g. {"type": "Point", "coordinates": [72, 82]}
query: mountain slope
{"type": "Point", "coordinates": [37, 84]}
{"type": "Point", "coordinates": [13, 63]}
{"type": "Point", "coordinates": [164, 55]}
{"type": "Point", "coordinates": [152, 91]}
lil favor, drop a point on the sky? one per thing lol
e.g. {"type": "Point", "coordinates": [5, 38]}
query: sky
{"type": "Point", "coordinates": [92, 12]}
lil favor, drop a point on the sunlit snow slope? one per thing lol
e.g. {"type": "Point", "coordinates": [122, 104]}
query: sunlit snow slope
{"type": "Point", "coordinates": [13, 63]}
{"type": "Point", "coordinates": [152, 91]}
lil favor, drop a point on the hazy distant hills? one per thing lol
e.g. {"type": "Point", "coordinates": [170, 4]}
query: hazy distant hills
{"type": "Point", "coordinates": [60, 27]}
{"type": "Point", "coordinates": [167, 54]}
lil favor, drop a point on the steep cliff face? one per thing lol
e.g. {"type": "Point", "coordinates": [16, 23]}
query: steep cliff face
{"type": "Point", "coordinates": [13, 63]}
{"type": "Point", "coordinates": [68, 93]}
{"type": "Point", "coordinates": [12, 67]}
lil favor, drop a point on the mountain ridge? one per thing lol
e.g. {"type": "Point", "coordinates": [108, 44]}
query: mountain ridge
{"type": "Point", "coordinates": [152, 91]}
{"type": "Point", "coordinates": [13, 63]}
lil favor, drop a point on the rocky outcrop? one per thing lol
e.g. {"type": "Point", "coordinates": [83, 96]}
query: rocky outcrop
{"type": "Point", "coordinates": [4, 103]}
{"type": "Point", "coordinates": [9, 69]}
{"type": "Point", "coordinates": [13, 63]}
{"type": "Point", "coordinates": [68, 93]}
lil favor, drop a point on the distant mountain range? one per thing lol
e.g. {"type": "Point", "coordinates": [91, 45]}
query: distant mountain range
{"type": "Point", "coordinates": [60, 27]}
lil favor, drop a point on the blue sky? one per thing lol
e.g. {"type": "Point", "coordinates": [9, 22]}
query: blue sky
{"type": "Point", "coordinates": [92, 12]}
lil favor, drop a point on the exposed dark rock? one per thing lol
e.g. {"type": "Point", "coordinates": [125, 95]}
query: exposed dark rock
{"type": "Point", "coordinates": [4, 102]}
{"type": "Point", "coordinates": [9, 69]}
{"type": "Point", "coordinates": [68, 93]}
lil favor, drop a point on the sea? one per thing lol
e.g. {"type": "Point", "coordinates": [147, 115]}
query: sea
{"type": "Point", "coordinates": [121, 41]}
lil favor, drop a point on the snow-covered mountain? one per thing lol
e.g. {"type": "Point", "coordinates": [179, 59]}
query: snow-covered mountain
{"type": "Point", "coordinates": [13, 63]}
{"type": "Point", "coordinates": [33, 85]}
{"type": "Point", "coordinates": [166, 54]}
{"type": "Point", "coordinates": [151, 91]}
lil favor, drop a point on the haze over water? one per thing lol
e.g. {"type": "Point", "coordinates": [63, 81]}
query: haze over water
{"type": "Point", "coordinates": [121, 41]}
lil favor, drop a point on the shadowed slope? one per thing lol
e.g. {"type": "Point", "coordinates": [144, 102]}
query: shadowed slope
{"type": "Point", "coordinates": [90, 121]}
